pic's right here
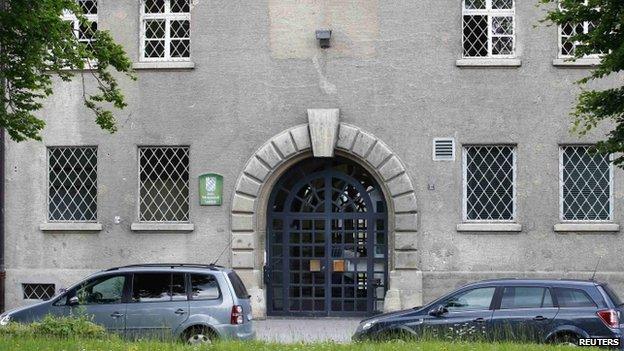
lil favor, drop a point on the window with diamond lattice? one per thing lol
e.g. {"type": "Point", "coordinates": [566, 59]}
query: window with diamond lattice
{"type": "Point", "coordinates": [164, 184]}
{"type": "Point", "coordinates": [489, 183]}
{"type": "Point", "coordinates": [567, 47]}
{"type": "Point", "coordinates": [38, 291]}
{"type": "Point", "coordinates": [586, 185]}
{"type": "Point", "coordinates": [488, 28]}
{"type": "Point", "coordinates": [165, 30]}
{"type": "Point", "coordinates": [72, 184]}
{"type": "Point", "coordinates": [84, 33]}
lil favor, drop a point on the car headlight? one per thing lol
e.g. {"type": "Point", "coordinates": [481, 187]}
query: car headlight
{"type": "Point", "coordinates": [4, 320]}
{"type": "Point", "coordinates": [368, 324]}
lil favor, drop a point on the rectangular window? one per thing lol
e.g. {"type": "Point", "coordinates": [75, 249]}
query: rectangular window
{"type": "Point", "coordinates": [567, 47]}
{"type": "Point", "coordinates": [489, 183]}
{"type": "Point", "coordinates": [103, 290]}
{"type": "Point", "coordinates": [165, 30]}
{"type": "Point", "coordinates": [34, 291]}
{"type": "Point", "coordinates": [164, 184]}
{"type": "Point", "coordinates": [178, 287]}
{"type": "Point", "coordinates": [526, 297]}
{"type": "Point", "coordinates": [158, 287]}
{"type": "Point", "coordinates": [90, 12]}
{"type": "Point", "coordinates": [204, 287]}
{"type": "Point", "coordinates": [72, 184]}
{"type": "Point", "coordinates": [488, 28]}
{"type": "Point", "coordinates": [475, 299]}
{"type": "Point", "coordinates": [573, 298]}
{"type": "Point", "coordinates": [586, 190]}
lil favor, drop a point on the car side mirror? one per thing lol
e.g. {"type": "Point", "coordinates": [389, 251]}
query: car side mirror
{"type": "Point", "coordinates": [438, 311]}
{"type": "Point", "coordinates": [73, 301]}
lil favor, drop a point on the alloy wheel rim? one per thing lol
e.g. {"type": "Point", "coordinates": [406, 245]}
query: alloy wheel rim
{"type": "Point", "coordinates": [198, 339]}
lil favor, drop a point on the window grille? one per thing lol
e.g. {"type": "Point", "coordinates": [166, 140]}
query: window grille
{"type": "Point", "coordinates": [488, 28]}
{"type": "Point", "coordinates": [567, 47]}
{"type": "Point", "coordinates": [164, 184]}
{"type": "Point", "coordinates": [90, 12]}
{"type": "Point", "coordinates": [489, 183]}
{"type": "Point", "coordinates": [72, 184]}
{"type": "Point", "coordinates": [585, 185]}
{"type": "Point", "coordinates": [165, 30]}
{"type": "Point", "coordinates": [444, 149]}
{"type": "Point", "coordinates": [38, 291]}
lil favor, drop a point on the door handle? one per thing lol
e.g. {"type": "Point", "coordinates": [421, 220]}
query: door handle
{"type": "Point", "coordinates": [540, 318]}
{"type": "Point", "coordinates": [116, 315]}
{"type": "Point", "coordinates": [479, 320]}
{"type": "Point", "coordinates": [179, 311]}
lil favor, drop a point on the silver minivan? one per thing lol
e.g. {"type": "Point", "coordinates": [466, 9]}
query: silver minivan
{"type": "Point", "coordinates": [193, 302]}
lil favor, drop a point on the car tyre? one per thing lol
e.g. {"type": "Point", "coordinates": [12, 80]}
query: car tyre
{"type": "Point", "coordinates": [397, 336]}
{"type": "Point", "coordinates": [566, 340]}
{"type": "Point", "coordinates": [199, 335]}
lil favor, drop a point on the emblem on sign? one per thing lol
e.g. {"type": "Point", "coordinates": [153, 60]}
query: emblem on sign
{"type": "Point", "coordinates": [210, 189]}
{"type": "Point", "coordinates": [211, 184]}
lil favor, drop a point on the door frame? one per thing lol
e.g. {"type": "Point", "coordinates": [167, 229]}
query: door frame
{"type": "Point", "coordinates": [328, 174]}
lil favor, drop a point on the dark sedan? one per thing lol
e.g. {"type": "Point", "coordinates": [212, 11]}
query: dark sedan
{"type": "Point", "coordinates": [558, 311]}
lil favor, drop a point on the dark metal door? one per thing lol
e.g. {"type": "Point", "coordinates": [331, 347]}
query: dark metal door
{"type": "Point", "coordinates": [326, 241]}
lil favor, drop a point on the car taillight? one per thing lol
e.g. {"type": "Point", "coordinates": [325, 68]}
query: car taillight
{"type": "Point", "coordinates": [237, 315]}
{"type": "Point", "coordinates": [609, 318]}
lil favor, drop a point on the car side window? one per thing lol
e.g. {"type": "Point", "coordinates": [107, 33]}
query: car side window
{"type": "Point", "coordinates": [525, 297]}
{"type": "Point", "coordinates": [158, 287]}
{"type": "Point", "coordinates": [567, 297]}
{"type": "Point", "coordinates": [100, 290]}
{"type": "Point", "coordinates": [474, 299]}
{"type": "Point", "coordinates": [204, 287]}
{"type": "Point", "coordinates": [178, 287]}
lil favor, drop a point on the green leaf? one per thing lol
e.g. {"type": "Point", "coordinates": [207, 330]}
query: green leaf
{"type": "Point", "coordinates": [36, 44]}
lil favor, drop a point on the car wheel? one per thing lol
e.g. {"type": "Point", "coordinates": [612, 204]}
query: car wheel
{"type": "Point", "coordinates": [566, 340]}
{"type": "Point", "coordinates": [199, 336]}
{"type": "Point", "coordinates": [397, 336]}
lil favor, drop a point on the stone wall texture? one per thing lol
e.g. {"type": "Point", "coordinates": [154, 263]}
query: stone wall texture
{"type": "Point", "coordinates": [391, 71]}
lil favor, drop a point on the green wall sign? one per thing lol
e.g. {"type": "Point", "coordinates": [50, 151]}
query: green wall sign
{"type": "Point", "coordinates": [210, 189]}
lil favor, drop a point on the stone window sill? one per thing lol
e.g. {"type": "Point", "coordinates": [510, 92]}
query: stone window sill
{"type": "Point", "coordinates": [164, 65]}
{"type": "Point", "coordinates": [587, 227]}
{"type": "Point", "coordinates": [488, 62]}
{"type": "Point", "coordinates": [70, 227]}
{"type": "Point", "coordinates": [489, 227]}
{"type": "Point", "coordinates": [578, 63]}
{"type": "Point", "coordinates": [162, 227]}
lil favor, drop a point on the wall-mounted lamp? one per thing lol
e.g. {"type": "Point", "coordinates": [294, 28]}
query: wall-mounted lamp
{"type": "Point", "coordinates": [323, 36]}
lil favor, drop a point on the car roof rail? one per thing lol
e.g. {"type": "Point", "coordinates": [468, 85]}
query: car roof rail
{"type": "Point", "coordinates": [496, 279]}
{"type": "Point", "coordinates": [212, 267]}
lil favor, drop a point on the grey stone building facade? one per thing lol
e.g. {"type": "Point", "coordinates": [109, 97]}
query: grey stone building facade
{"type": "Point", "coordinates": [428, 146]}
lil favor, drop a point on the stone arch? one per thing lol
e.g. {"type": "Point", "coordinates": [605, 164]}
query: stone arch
{"type": "Point", "coordinates": [269, 162]}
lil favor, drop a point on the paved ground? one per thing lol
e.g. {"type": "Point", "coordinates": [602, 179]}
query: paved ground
{"type": "Point", "coordinates": [289, 330]}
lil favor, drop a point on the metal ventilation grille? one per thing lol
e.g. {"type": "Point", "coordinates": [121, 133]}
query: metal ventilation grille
{"type": "Point", "coordinates": [443, 149]}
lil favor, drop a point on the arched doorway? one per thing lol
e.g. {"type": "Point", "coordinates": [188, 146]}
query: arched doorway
{"type": "Point", "coordinates": [327, 241]}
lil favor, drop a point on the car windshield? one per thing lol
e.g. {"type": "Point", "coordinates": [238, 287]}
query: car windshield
{"type": "Point", "coordinates": [612, 295]}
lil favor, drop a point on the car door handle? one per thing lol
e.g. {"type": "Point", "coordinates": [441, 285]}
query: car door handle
{"type": "Point", "coordinates": [116, 315]}
{"type": "Point", "coordinates": [179, 311]}
{"type": "Point", "coordinates": [539, 318]}
{"type": "Point", "coordinates": [479, 320]}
